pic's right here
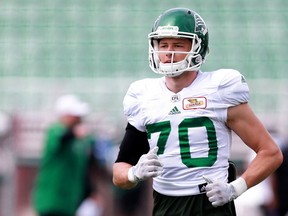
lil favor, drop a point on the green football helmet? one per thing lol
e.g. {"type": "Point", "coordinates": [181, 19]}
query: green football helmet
{"type": "Point", "coordinates": [179, 23]}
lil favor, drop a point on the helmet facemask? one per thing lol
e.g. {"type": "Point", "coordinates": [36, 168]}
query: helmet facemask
{"type": "Point", "coordinates": [191, 62]}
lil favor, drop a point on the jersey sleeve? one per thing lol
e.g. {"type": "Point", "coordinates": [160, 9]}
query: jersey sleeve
{"type": "Point", "coordinates": [133, 145]}
{"type": "Point", "coordinates": [132, 106]}
{"type": "Point", "coordinates": [233, 88]}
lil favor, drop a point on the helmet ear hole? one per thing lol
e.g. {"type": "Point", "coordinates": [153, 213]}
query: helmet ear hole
{"type": "Point", "coordinates": [197, 60]}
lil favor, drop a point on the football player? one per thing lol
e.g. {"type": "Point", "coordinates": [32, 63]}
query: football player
{"type": "Point", "coordinates": [179, 126]}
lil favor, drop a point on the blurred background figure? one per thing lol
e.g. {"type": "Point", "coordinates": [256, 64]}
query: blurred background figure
{"type": "Point", "coordinates": [280, 183]}
{"type": "Point", "coordinates": [277, 206]}
{"type": "Point", "coordinates": [269, 198]}
{"type": "Point", "coordinates": [63, 181]}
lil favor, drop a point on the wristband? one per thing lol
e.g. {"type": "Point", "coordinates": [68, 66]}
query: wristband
{"type": "Point", "coordinates": [239, 186]}
{"type": "Point", "coordinates": [131, 177]}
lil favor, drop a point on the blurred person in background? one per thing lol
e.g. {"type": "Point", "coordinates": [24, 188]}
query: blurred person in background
{"type": "Point", "coordinates": [278, 205]}
{"type": "Point", "coordinates": [62, 184]}
{"type": "Point", "coordinates": [281, 183]}
{"type": "Point", "coordinates": [179, 126]}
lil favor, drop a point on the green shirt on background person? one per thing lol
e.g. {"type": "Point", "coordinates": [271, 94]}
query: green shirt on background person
{"type": "Point", "coordinates": [62, 181]}
{"type": "Point", "coordinates": [63, 171]}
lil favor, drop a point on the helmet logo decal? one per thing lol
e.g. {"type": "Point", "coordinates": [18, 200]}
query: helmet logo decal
{"type": "Point", "coordinates": [200, 25]}
{"type": "Point", "coordinates": [167, 30]}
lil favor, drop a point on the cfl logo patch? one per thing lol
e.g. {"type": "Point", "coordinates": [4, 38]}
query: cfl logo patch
{"type": "Point", "coordinates": [175, 98]}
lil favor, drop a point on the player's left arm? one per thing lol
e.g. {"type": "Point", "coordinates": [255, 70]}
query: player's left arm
{"type": "Point", "coordinates": [248, 127]}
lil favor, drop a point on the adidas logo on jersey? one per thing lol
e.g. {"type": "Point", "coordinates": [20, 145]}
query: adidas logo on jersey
{"type": "Point", "coordinates": [174, 111]}
{"type": "Point", "coordinates": [202, 188]}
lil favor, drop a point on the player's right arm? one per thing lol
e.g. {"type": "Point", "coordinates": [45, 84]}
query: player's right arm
{"type": "Point", "coordinates": [120, 175]}
{"type": "Point", "coordinates": [133, 163]}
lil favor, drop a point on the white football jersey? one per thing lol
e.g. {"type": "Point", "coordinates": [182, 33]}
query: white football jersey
{"type": "Point", "coordinates": [188, 127]}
